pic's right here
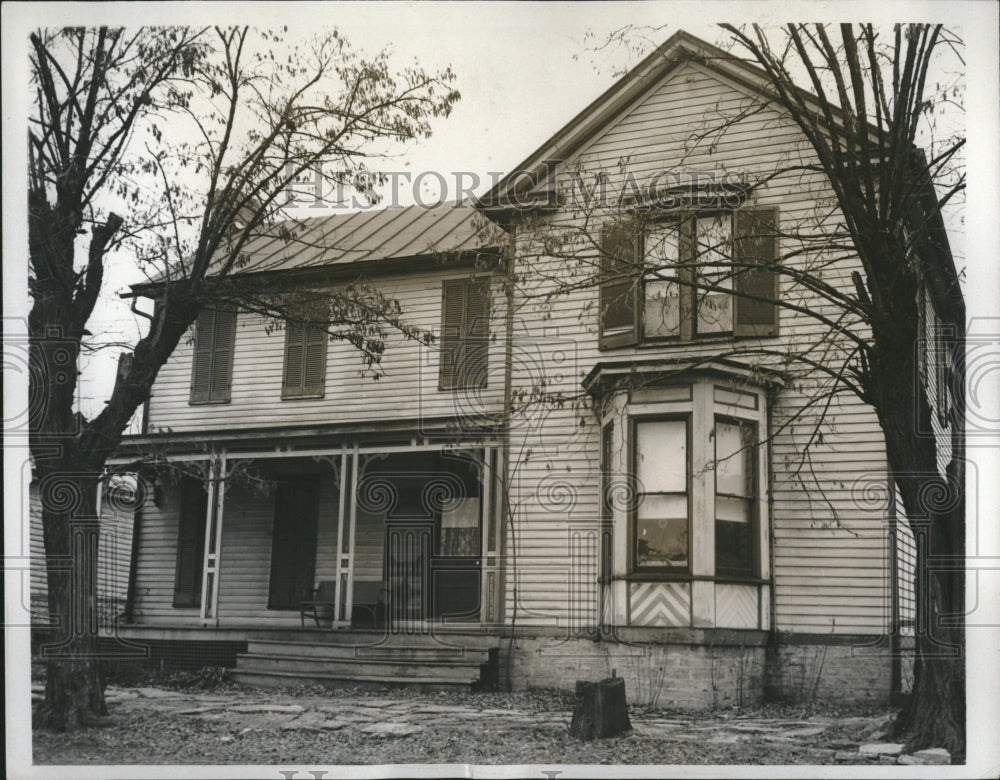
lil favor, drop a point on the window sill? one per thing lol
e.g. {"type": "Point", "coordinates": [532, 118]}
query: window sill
{"type": "Point", "coordinates": [463, 387]}
{"type": "Point", "coordinates": [209, 403]}
{"type": "Point", "coordinates": [303, 397]}
{"type": "Point", "coordinates": [668, 577]}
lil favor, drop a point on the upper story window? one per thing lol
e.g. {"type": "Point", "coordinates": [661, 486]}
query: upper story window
{"type": "Point", "coordinates": [304, 374]}
{"type": "Point", "coordinates": [212, 369]}
{"type": "Point", "coordinates": [704, 275]}
{"type": "Point", "coordinates": [465, 333]}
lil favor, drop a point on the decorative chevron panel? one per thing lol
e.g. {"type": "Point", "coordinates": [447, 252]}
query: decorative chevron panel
{"type": "Point", "coordinates": [660, 604]}
{"type": "Point", "coordinates": [736, 606]}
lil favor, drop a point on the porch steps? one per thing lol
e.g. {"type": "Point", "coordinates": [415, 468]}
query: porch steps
{"type": "Point", "coordinates": [389, 660]}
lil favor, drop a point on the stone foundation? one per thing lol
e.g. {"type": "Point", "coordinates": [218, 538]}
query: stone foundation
{"type": "Point", "coordinates": [721, 670]}
{"type": "Point", "coordinates": [681, 676]}
{"type": "Point", "coordinates": [803, 669]}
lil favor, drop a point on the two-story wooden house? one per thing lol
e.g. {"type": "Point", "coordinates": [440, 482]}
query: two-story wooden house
{"type": "Point", "coordinates": [609, 457]}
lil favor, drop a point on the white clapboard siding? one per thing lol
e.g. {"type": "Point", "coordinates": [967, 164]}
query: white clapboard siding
{"type": "Point", "coordinates": [830, 554]}
{"type": "Point", "coordinates": [156, 565]}
{"type": "Point", "coordinates": [114, 552]}
{"type": "Point", "coordinates": [245, 557]}
{"type": "Point", "coordinates": [408, 388]}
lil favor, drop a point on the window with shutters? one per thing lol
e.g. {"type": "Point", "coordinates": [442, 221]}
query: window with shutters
{"type": "Point", "coordinates": [707, 275]}
{"type": "Point", "coordinates": [465, 333]}
{"type": "Point", "coordinates": [190, 543]}
{"type": "Point", "coordinates": [212, 370]}
{"type": "Point", "coordinates": [304, 374]}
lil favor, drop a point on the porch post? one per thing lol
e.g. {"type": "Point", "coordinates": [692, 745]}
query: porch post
{"type": "Point", "coordinates": [340, 599]}
{"type": "Point", "coordinates": [352, 497]}
{"type": "Point", "coordinates": [213, 538]}
{"type": "Point", "coordinates": [485, 559]}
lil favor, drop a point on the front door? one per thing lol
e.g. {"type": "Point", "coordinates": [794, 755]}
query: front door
{"type": "Point", "coordinates": [407, 562]}
{"type": "Point", "coordinates": [433, 533]}
{"type": "Point", "coordinates": [455, 565]}
{"type": "Point", "coordinates": [293, 542]}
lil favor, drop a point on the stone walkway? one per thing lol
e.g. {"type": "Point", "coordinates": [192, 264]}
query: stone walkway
{"type": "Point", "coordinates": [385, 717]}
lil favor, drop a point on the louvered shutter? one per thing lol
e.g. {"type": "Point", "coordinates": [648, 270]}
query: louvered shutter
{"type": "Point", "coordinates": [190, 543]}
{"type": "Point", "coordinates": [620, 252]}
{"type": "Point", "coordinates": [222, 355]}
{"type": "Point", "coordinates": [756, 251]}
{"type": "Point", "coordinates": [201, 368]}
{"type": "Point", "coordinates": [294, 348]}
{"type": "Point", "coordinates": [452, 327]}
{"type": "Point", "coordinates": [314, 360]}
{"type": "Point", "coordinates": [477, 334]}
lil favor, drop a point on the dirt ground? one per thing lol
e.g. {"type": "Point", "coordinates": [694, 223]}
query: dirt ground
{"type": "Point", "coordinates": [313, 726]}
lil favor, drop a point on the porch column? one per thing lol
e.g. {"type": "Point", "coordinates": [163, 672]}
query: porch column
{"type": "Point", "coordinates": [346, 527]}
{"type": "Point", "coordinates": [492, 498]}
{"type": "Point", "coordinates": [213, 538]}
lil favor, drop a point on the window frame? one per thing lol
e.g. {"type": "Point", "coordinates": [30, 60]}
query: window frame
{"type": "Point", "coordinates": [458, 344]}
{"type": "Point", "coordinates": [195, 398]}
{"type": "Point", "coordinates": [659, 572]}
{"type": "Point", "coordinates": [308, 327]}
{"type": "Point", "coordinates": [690, 291]}
{"type": "Point", "coordinates": [753, 499]}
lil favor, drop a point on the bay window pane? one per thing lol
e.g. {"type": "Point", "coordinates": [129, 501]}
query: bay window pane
{"type": "Point", "coordinates": [653, 505]}
{"type": "Point", "coordinates": [733, 549]}
{"type": "Point", "coordinates": [733, 448]}
{"type": "Point", "coordinates": [733, 510]}
{"type": "Point", "coordinates": [661, 515]}
{"type": "Point", "coordinates": [662, 542]}
{"type": "Point", "coordinates": [661, 456]}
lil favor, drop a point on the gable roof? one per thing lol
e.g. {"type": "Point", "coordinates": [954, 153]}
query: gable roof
{"type": "Point", "coordinates": [361, 238]}
{"type": "Point", "coordinates": [680, 48]}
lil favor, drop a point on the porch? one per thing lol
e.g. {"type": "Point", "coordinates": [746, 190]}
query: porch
{"type": "Point", "coordinates": [394, 535]}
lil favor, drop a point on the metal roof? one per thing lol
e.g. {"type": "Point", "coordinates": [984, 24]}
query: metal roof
{"type": "Point", "coordinates": [362, 237]}
{"type": "Point", "coordinates": [365, 236]}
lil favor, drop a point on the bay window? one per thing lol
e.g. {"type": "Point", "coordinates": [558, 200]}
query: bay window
{"type": "Point", "coordinates": [689, 547]}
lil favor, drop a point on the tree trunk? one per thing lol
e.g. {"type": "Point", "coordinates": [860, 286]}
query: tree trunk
{"type": "Point", "coordinates": [74, 685]}
{"type": "Point", "coordinates": [935, 510]}
{"type": "Point", "coordinates": [934, 716]}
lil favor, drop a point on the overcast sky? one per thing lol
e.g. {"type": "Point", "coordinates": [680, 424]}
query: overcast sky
{"type": "Point", "coordinates": [524, 69]}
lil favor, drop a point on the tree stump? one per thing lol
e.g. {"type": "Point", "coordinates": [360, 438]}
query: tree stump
{"type": "Point", "coordinates": [600, 710]}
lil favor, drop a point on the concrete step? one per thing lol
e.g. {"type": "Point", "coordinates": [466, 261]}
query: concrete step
{"type": "Point", "coordinates": [288, 679]}
{"type": "Point", "coordinates": [444, 636]}
{"type": "Point", "coordinates": [366, 669]}
{"type": "Point", "coordinates": [375, 648]}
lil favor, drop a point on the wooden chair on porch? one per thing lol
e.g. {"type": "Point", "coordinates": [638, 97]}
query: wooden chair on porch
{"type": "Point", "coordinates": [322, 606]}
